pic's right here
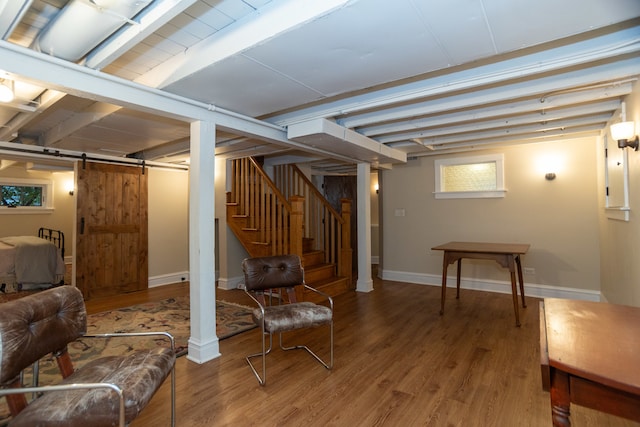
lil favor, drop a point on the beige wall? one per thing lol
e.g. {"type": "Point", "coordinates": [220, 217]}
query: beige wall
{"type": "Point", "coordinates": [61, 218]}
{"type": "Point", "coordinates": [168, 222]}
{"type": "Point", "coordinates": [168, 219]}
{"type": "Point", "coordinates": [229, 250]}
{"type": "Point", "coordinates": [375, 225]}
{"type": "Point", "coordinates": [558, 218]}
{"type": "Point", "coordinates": [620, 240]}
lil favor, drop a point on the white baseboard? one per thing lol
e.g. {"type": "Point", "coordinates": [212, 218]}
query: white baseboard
{"type": "Point", "coordinates": [167, 279]}
{"type": "Point", "coordinates": [530, 289]}
{"type": "Point", "coordinates": [229, 283]}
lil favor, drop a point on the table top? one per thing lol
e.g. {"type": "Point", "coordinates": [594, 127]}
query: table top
{"type": "Point", "coordinates": [596, 341]}
{"type": "Point", "coordinates": [483, 247]}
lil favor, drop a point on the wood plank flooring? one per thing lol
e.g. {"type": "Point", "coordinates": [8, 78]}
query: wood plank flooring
{"type": "Point", "coordinates": [397, 363]}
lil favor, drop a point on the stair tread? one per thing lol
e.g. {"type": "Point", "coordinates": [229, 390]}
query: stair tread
{"type": "Point", "coordinates": [318, 266]}
{"type": "Point", "coordinates": [328, 280]}
{"type": "Point", "coordinates": [312, 251]}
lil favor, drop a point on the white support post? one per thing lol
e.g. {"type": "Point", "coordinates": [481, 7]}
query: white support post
{"type": "Point", "coordinates": [203, 342]}
{"type": "Point", "coordinates": [365, 282]}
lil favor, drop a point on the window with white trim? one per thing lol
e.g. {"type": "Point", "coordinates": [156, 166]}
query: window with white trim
{"type": "Point", "coordinates": [25, 195]}
{"type": "Point", "coordinates": [470, 177]}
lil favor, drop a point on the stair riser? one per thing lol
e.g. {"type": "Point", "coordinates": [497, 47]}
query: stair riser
{"type": "Point", "coordinates": [317, 274]}
{"type": "Point", "coordinates": [313, 258]}
{"type": "Point", "coordinates": [335, 288]}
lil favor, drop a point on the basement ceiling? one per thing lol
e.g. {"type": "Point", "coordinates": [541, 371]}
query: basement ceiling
{"type": "Point", "coordinates": [345, 81]}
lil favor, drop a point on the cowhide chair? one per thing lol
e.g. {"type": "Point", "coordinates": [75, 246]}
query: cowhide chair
{"type": "Point", "coordinates": [278, 275]}
{"type": "Point", "coordinates": [107, 391]}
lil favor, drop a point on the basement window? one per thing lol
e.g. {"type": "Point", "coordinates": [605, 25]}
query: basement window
{"type": "Point", "coordinates": [25, 195]}
{"type": "Point", "coordinates": [470, 177]}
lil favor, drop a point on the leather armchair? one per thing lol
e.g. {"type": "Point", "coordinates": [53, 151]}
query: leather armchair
{"type": "Point", "coordinates": [107, 391]}
{"type": "Point", "coordinates": [278, 275]}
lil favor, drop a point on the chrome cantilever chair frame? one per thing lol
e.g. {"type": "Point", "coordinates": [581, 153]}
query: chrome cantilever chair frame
{"type": "Point", "coordinates": [264, 308]}
{"type": "Point", "coordinates": [68, 321]}
{"type": "Point", "coordinates": [36, 390]}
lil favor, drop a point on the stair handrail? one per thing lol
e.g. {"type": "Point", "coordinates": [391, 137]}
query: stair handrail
{"type": "Point", "coordinates": [323, 224]}
{"type": "Point", "coordinates": [317, 193]}
{"type": "Point", "coordinates": [271, 225]}
{"type": "Point", "coordinates": [277, 210]}
{"type": "Point", "coordinates": [281, 197]}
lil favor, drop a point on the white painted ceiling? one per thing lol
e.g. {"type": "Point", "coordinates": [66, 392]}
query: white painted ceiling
{"type": "Point", "coordinates": [398, 78]}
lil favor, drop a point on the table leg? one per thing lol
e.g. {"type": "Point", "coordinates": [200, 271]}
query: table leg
{"type": "Point", "coordinates": [519, 265]}
{"type": "Point", "coordinates": [445, 264]}
{"type": "Point", "coordinates": [560, 400]}
{"type": "Point", "coordinates": [458, 278]}
{"type": "Point", "coordinates": [514, 291]}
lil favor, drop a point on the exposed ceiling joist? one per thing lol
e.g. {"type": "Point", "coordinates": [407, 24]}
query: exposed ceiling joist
{"type": "Point", "coordinates": [513, 75]}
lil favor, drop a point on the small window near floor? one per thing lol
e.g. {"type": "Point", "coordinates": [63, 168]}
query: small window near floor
{"type": "Point", "coordinates": [25, 195]}
{"type": "Point", "coordinates": [470, 177]}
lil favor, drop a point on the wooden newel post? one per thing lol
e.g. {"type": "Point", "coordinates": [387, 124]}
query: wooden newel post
{"type": "Point", "coordinates": [297, 225]}
{"type": "Point", "coordinates": [344, 266]}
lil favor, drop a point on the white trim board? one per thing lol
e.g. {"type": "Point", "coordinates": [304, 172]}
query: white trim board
{"type": "Point", "coordinates": [503, 287]}
{"type": "Point", "coordinates": [167, 279]}
{"type": "Point", "coordinates": [230, 282]}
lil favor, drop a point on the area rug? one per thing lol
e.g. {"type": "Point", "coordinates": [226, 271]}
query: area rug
{"type": "Point", "coordinates": [170, 315]}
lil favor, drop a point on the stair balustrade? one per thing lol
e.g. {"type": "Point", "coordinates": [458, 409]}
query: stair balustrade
{"type": "Point", "coordinates": [285, 214]}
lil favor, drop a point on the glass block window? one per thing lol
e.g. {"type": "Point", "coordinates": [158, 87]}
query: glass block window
{"type": "Point", "coordinates": [470, 177]}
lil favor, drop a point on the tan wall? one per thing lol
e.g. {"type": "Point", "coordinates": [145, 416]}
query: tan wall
{"type": "Point", "coordinates": [620, 240]}
{"type": "Point", "coordinates": [558, 218]}
{"type": "Point", "coordinates": [375, 226]}
{"type": "Point", "coordinates": [168, 221]}
{"type": "Point", "coordinates": [63, 208]}
{"type": "Point", "coordinates": [228, 248]}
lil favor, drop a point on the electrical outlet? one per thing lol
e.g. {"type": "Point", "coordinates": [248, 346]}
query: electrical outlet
{"type": "Point", "coordinates": [529, 270]}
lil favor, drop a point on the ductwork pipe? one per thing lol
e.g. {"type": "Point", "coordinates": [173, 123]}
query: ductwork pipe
{"type": "Point", "coordinates": [83, 24]}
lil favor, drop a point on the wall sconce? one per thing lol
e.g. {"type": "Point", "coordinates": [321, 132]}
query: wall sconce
{"type": "Point", "coordinates": [69, 186]}
{"type": "Point", "coordinates": [624, 132]}
{"type": "Point", "coordinates": [377, 188]}
{"type": "Point", "coordinates": [6, 90]}
{"type": "Point", "coordinates": [550, 176]}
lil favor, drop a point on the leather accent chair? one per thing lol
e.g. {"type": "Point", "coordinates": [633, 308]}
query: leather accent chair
{"type": "Point", "coordinates": [270, 282]}
{"type": "Point", "coordinates": [107, 391]}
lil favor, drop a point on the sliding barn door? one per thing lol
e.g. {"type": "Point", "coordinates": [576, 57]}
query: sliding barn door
{"type": "Point", "coordinates": [111, 235]}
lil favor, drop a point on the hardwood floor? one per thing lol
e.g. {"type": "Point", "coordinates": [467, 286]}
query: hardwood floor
{"type": "Point", "coordinates": [397, 363]}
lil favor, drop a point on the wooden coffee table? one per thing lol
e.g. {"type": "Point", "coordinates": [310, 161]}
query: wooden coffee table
{"type": "Point", "coordinates": [590, 356]}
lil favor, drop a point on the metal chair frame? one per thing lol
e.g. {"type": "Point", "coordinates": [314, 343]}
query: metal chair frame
{"type": "Point", "coordinates": [263, 379]}
{"type": "Point", "coordinates": [37, 390]}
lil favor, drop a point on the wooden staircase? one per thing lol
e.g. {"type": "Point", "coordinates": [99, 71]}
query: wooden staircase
{"type": "Point", "coordinates": [286, 214]}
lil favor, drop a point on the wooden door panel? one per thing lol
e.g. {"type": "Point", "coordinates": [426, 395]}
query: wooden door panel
{"type": "Point", "coordinates": [112, 230]}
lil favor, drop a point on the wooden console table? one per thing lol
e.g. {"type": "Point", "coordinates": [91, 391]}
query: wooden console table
{"type": "Point", "coordinates": [590, 355]}
{"type": "Point", "coordinates": [505, 254]}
